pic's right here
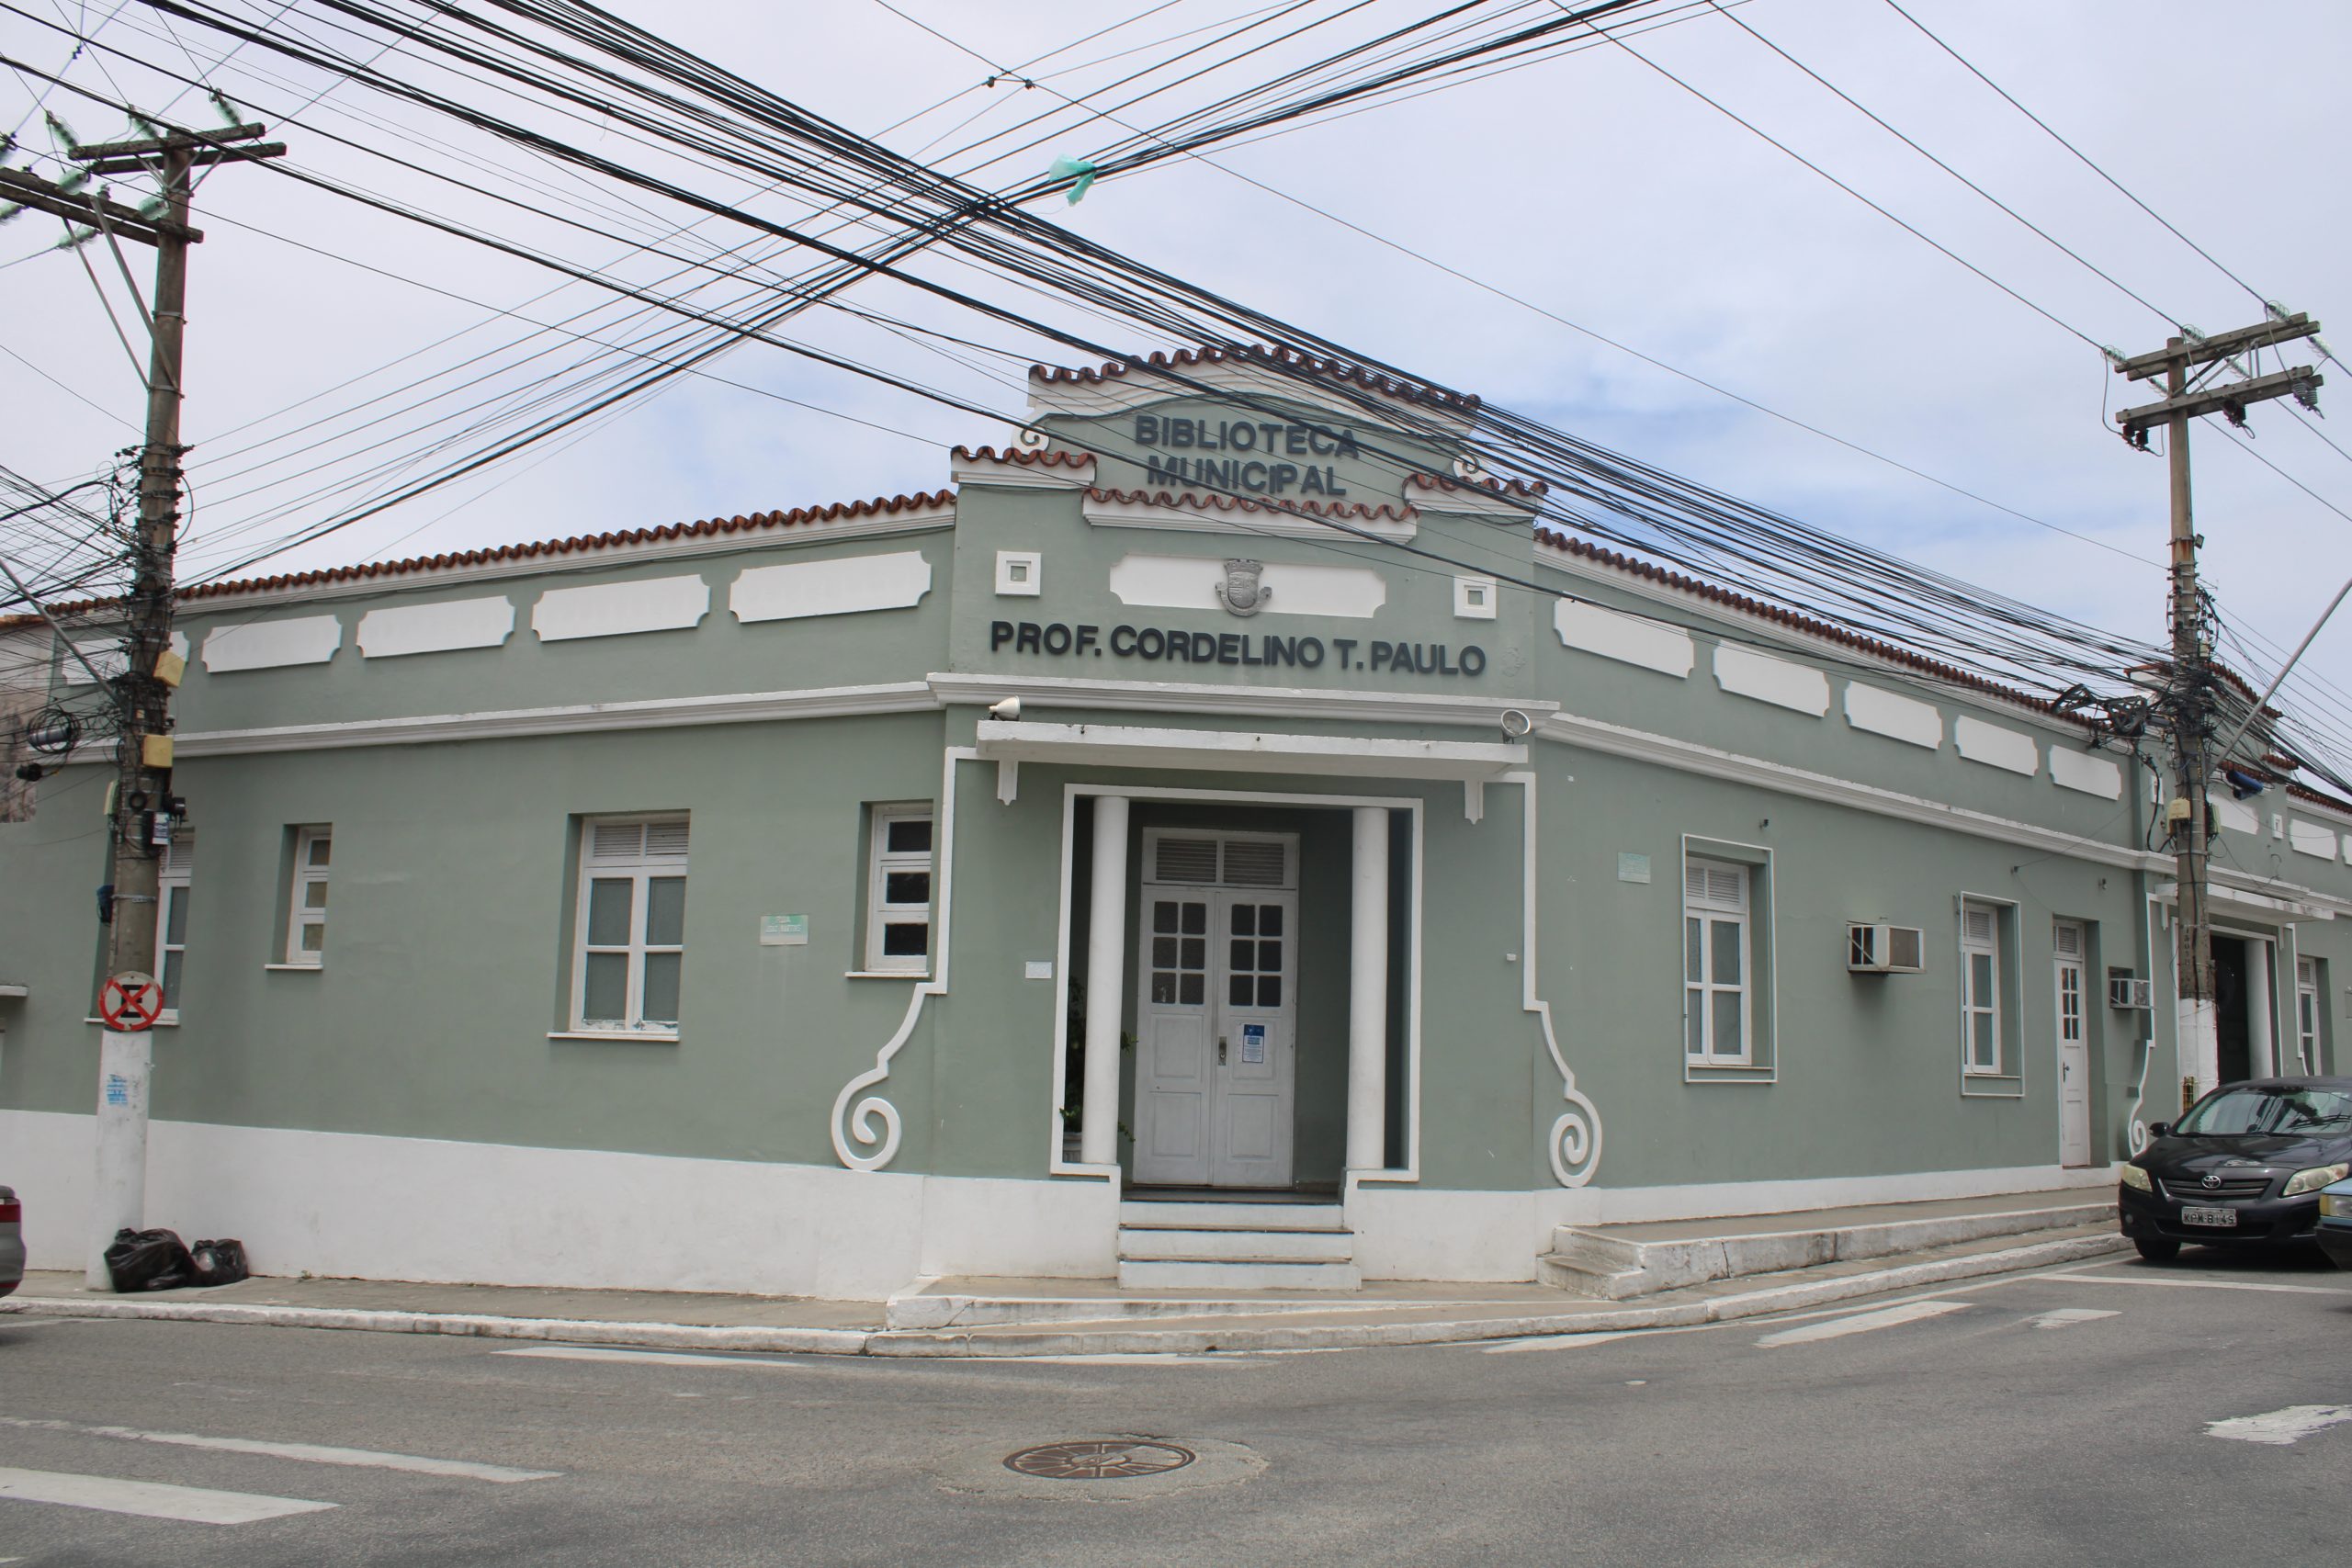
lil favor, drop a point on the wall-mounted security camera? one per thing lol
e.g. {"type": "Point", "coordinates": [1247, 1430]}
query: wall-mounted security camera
{"type": "Point", "coordinates": [1007, 710]}
{"type": "Point", "coordinates": [1516, 725]}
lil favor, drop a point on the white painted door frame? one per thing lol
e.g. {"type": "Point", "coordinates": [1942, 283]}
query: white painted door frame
{"type": "Point", "coordinates": [2071, 981]}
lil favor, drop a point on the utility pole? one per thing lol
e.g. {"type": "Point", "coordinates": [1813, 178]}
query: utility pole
{"type": "Point", "coordinates": [144, 808]}
{"type": "Point", "coordinates": [2198, 1040]}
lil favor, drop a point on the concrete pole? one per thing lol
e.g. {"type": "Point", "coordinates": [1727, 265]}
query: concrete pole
{"type": "Point", "coordinates": [1106, 990]}
{"type": "Point", "coordinates": [1368, 995]}
{"type": "Point", "coordinates": [2199, 1044]}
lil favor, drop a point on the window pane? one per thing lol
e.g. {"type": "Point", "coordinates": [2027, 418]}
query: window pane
{"type": "Point", "coordinates": [1241, 954]}
{"type": "Point", "coordinates": [1192, 990]}
{"type": "Point", "coordinates": [1196, 919]}
{"type": "Point", "coordinates": [171, 981]}
{"type": "Point", "coordinates": [320, 847]}
{"type": "Point", "coordinates": [1981, 1041]}
{"type": "Point", "coordinates": [175, 915]}
{"type": "Point", "coordinates": [665, 912]}
{"type": "Point", "coordinates": [1163, 917]}
{"type": "Point", "coordinates": [1980, 979]}
{"type": "Point", "coordinates": [906, 939]}
{"type": "Point", "coordinates": [1269, 990]}
{"type": "Point", "coordinates": [1270, 957]}
{"type": "Point", "coordinates": [314, 937]}
{"type": "Point", "coordinates": [314, 894]}
{"type": "Point", "coordinates": [1692, 970]}
{"type": "Point", "coordinates": [1163, 952]}
{"type": "Point", "coordinates": [1694, 1021]}
{"type": "Point", "coordinates": [604, 997]}
{"type": "Point", "coordinates": [662, 971]}
{"type": "Point", "coordinates": [1163, 986]}
{"type": "Point", "coordinates": [908, 835]}
{"type": "Point", "coordinates": [1730, 940]}
{"type": "Point", "coordinates": [611, 900]}
{"type": "Point", "coordinates": [1729, 1023]}
{"type": "Point", "coordinates": [1270, 921]}
{"type": "Point", "coordinates": [1244, 920]}
{"type": "Point", "coordinates": [906, 887]}
{"type": "Point", "coordinates": [1237, 990]}
{"type": "Point", "coordinates": [1196, 952]}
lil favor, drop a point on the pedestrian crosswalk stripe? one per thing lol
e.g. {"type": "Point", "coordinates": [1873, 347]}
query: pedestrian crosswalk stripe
{"type": "Point", "coordinates": [655, 1357]}
{"type": "Point", "coordinates": [1562, 1341]}
{"type": "Point", "coordinates": [1862, 1323]}
{"type": "Point", "coordinates": [308, 1453]}
{"type": "Point", "coordinates": [150, 1499]}
{"type": "Point", "coordinates": [2059, 1317]}
{"type": "Point", "coordinates": [2281, 1426]}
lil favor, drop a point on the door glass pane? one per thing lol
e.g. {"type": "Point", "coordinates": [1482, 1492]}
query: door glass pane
{"type": "Point", "coordinates": [1192, 990]}
{"type": "Point", "coordinates": [1163, 952]}
{"type": "Point", "coordinates": [1694, 1021]}
{"type": "Point", "coordinates": [604, 997]}
{"type": "Point", "coordinates": [1270, 957]}
{"type": "Point", "coordinates": [908, 835]}
{"type": "Point", "coordinates": [175, 915]}
{"type": "Point", "coordinates": [906, 939]}
{"type": "Point", "coordinates": [661, 972]}
{"type": "Point", "coordinates": [1729, 958]}
{"type": "Point", "coordinates": [314, 938]}
{"type": "Point", "coordinates": [1163, 917]}
{"type": "Point", "coordinates": [1241, 954]}
{"type": "Point", "coordinates": [906, 887]}
{"type": "Point", "coordinates": [320, 848]}
{"type": "Point", "coordinates": [1981, 1044]}
{"type": "Point", "coordinates": [1691, 970]}
{"type": "Point", "coordinates": [172, 982]}
{"type": "Point", "coordinates": [1163, 986]}
{"type": "Point", "coordinates": [610, 901]}
{"type": "Point", "coordinates": [1270, 921]}
{"type": "Point", "coordinates": [1196, 952]}
{"type": "Point", "coordinates": [1269, 990]}
{"type": "Point", "coordinates": [1237, 990]}
{"type": "Point", "coordinates": [314, 896]}
{"type": "Point", "coordinates": [1980, 979]}
{"type": "Point", "coordinates": [1196, 919]}
{"type": "Point", "coordinates": [665, 912]}
{"type": "Point", "coordinates": [1729, 1023]}
{"type": "Point", "coordinates": [1244, 920]}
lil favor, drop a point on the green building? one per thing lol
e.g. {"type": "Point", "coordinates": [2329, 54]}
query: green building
{"type": "Point", "coordinates": [1187, 804]}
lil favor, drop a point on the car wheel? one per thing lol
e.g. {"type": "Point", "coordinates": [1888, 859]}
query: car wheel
{"type": "Point", "coordinates": [2156, 1249]}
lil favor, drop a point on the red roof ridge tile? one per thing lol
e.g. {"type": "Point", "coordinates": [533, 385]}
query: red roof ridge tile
{"type": "Point", "coordinates": [1261, 354]}
{"type": "Point", "coordinates": [1529, 487]}
{"type": "Point", "coordinates": [1250, 504]}
{"type": "Point", "coordinates": [1937, 668]}
{"type": "Point", "coordinates": [1052, 457]}
{"type": "Point", "coordinates": [2312, 796]}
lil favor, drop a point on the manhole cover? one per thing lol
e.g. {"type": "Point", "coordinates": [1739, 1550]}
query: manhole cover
{"type": "Point", "coordinates": [1099, 1461]}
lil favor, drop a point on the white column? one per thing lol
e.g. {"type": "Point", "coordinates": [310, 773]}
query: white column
{"type": "Point", "coordinates": [2262, 1052]}
{"type": "Point", "coordinates": [118, 1197]}
{"type": "Point", "coordinates": [1368, 995]}
{"type": "Point", "coordinates": [1106, 975]}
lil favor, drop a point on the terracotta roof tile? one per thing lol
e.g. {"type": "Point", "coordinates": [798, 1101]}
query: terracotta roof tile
{"type": "Point", "coordinates": [1514, 489]}
{"type": "Point", "coordinates": [1053, 458]}
{"type": "Point", "coordinates": [1383, 513]}
{"type": "Point", "coordinates": [1950, 673]}
{"type": "Point", "coordinates": [1258, 354]}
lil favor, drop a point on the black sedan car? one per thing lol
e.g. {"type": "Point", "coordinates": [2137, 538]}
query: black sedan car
{"type": "Point", "coordinates": [2243, 1164]}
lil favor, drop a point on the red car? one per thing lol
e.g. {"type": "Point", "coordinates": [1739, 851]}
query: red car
{"type": "Point", "coordinates": [12, 1241]}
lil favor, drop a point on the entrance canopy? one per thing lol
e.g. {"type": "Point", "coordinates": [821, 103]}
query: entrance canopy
{"type": "Point", "coordinates": [1011, 742]}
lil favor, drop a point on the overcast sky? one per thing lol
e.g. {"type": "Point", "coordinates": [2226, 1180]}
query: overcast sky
{"type": "Point", "coordinates": [1589, 186]}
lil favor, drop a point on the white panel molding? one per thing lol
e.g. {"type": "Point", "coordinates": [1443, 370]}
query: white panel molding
{"type": "Point", "coordinates": [272, 645]}
{"type": "Point", "coordinates": [1191, 583]}
{"type": "Point", "coordinates": [1474, 598]}
{"type": "Point", "coordinates": [845, 585]}
{"type": "Point", "coordinates": [2082, 771]}
{"type": "Point", "coordinates": [2311, 838]}
{"type": "Point", "coordinates": [1897, 718]}
{"type": "Point", "coordinates": [2007, 749]}
{"type": "Point", "coordinates": [2237, 816]}
{"type": "Point", "coordinates": [1020, 575]}
{"type": "Point", "coordinates": [1253, 521]}
{"type": "Point", "coordinates": [621, 609]}
{"type": "Point", "coordinates": [1628, 639]}
{"type": "Point", "coordinates": [1747, 673]}
{"type": "Point", "coordinates": [575, 718]}
{"type": "Point", "coordinates": [442, 627]}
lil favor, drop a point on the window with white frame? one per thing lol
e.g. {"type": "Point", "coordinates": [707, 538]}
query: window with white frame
{"type": "Point", "coordinates": [2309, 990]}
{"type": "Point", "coordinates": [171, 919]}
{"type": "Point", "coordinates": [629, 958]}
{"type": "Point", "coordinates": [1980, 982]}
{"type": "Point", "coordinates": [898, 891]}
{"type": "Point", "coordinates": [306, 900]}
{"type": "Point", "coordinates": [1715, 963]}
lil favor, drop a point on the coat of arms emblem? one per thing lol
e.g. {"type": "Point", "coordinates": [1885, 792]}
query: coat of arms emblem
{"type": "Point", "coordinates": [1241, 591]}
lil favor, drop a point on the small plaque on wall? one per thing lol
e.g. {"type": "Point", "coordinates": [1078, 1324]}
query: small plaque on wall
{"type": "Point", "coordinates": [783, 931]}
{"type": "Point", "coordinates": [1633, 868]}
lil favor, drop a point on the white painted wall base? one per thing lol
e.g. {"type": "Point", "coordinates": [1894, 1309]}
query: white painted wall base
{"type": "Point", "coordinates": [346, 1205]}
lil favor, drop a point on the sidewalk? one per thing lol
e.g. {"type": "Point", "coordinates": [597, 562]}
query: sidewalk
{"type": "Point", "coordinates": [1382, 1314]}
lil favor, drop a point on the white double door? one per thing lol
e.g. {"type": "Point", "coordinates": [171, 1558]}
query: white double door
{"type": "Point", "coordinates": [1215, 1062]}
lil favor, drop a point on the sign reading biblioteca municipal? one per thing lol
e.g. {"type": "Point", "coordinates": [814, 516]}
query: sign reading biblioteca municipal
{"type": "Point", "coordinates": [1244, 455]}
{"type": "Point", "coordinates": [1178, 645]}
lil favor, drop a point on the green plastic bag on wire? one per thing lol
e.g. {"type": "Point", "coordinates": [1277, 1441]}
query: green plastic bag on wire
{"type": "Point", "coordinates": [1078, 170]}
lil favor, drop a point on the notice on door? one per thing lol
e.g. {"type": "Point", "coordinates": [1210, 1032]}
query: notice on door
{"type": "Point", "coordinates": [1253, 1042]}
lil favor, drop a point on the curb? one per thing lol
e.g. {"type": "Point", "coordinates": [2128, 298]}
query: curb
{"type": "Point", "coordinates": [916, 1343]}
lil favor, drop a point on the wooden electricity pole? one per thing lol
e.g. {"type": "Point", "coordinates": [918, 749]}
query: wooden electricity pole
{"type": "Point", "coordinates": [144, 808]}
{"type": "Point", "coordinates": [2198, 1043]}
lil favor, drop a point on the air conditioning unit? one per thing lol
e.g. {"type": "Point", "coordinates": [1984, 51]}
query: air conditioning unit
{"type": "Point", "coordinates": [2125, 989]}
{"type": "Point", "coordinates": [1882, 948]}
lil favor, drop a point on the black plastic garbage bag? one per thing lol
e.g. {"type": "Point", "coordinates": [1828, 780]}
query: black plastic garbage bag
{"type": "Point", "coordinates": [149, 1261]}
{"type": "Point", "coordinates": [220, 1262]}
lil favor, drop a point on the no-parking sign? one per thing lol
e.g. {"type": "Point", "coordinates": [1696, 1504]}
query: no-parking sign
{"type": "Point", "coordinates": [131, 1003]}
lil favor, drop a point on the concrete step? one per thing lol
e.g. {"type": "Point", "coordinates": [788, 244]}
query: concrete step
{"type": "Point", "coordinates": [1209, 1216]}
{"type": "Point", "coordinates": [1617, 1263]}
{"type": "Point", "coordinates": [1235, 1274]}
{"type": "Point", "coordinates": [1210, 1246]}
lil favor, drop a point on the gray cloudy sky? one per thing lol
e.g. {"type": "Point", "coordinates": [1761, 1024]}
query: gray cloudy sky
{"type": "Point", "coordinates": [1590, 185]}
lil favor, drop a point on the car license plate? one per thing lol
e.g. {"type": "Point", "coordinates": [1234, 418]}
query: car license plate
{"type": "Point", "coordinates": [2193, 1215]}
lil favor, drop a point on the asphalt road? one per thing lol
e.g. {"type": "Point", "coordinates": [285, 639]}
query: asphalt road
{"type": "Point", "coordinates": [2055, 1418]}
